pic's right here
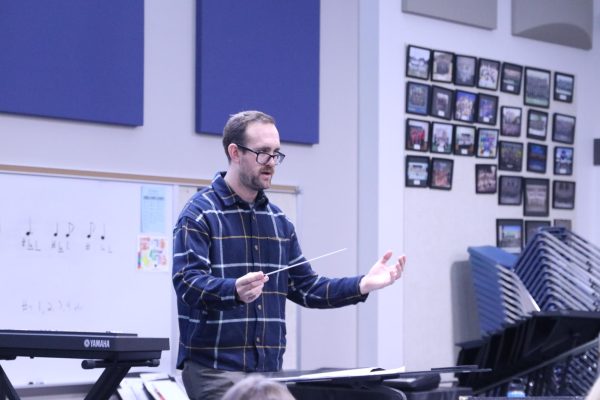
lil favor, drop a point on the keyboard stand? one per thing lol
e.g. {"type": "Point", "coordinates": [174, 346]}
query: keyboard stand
{"type": "Point", "coordinates": [104, 387]}
{"type": "Point", "coordinates": [111, 377]}
{"type": "Point", "coordinates": [6, 388]}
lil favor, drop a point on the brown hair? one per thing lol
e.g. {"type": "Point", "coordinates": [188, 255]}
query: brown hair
{"type": "Point", "coordinates": [235, 128]}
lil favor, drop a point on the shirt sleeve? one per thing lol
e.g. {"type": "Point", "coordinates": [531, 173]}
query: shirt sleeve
{"type": "Point", "coordinates": [192, 279]}
{"type": "Point", "coordinates": [309, 289]}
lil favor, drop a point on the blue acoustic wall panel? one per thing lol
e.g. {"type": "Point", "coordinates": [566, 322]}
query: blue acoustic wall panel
{"type": "Point", "coordinates": [260, 55]}
{"type": "Point", "coordinates": [73, 59]}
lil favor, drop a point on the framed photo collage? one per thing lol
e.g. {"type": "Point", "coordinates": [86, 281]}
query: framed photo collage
{"type": "Point", "coordinates": [453, 108]}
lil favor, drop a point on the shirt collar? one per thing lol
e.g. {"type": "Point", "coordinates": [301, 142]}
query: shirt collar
{"type": "Point", "coordinates": [229, 197]}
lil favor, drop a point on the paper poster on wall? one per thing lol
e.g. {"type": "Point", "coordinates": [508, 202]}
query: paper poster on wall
{"type": "Point", "coordinates": [153, 209]}
{"type": "Point", "coordinates": [152, 253]}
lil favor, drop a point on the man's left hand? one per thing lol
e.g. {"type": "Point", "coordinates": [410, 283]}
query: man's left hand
{"type": "Point", "coordinates": [380, 275]}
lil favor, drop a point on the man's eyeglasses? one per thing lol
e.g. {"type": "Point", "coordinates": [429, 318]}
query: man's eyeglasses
{"type": "Point", "coordinates": [263, 157]}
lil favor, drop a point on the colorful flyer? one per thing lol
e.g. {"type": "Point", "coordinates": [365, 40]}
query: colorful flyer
{"type": "Point", "coordinates": [152, 253]}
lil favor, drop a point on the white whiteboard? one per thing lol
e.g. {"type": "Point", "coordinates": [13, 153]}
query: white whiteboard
{"type": "Point", "coordinates": [69, 262]}
{"type": "Point", "coordinates": [81, 283]}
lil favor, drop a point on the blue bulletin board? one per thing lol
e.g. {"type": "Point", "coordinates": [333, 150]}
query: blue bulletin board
{"type": "Point", "coordinates": [259, 55]}
{"type": "Point", "coordinates": [81, 60]}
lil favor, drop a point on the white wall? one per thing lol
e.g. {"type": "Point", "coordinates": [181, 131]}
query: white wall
{"type": "Point", "coordinates": [438, 226]}
{"type": "Point", "coordinates": [327, 175]}
{"type": "Point", "coordinates": [167, 145]}
{"type": "Point", "coordinates": [588, 176]}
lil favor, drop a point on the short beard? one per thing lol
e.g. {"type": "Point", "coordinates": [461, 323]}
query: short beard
{"type": "Point", "coordinates": [254, 182]}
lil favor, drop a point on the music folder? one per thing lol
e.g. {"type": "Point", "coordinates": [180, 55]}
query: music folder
{"type": "Point", "coordinates": [372, 374]}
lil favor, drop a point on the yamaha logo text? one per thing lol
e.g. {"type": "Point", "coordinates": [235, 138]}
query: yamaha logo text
{"type": "Point", "coordinates": [96, 343]}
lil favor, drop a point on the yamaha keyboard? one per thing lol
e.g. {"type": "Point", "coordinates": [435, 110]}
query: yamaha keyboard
{"type": "Point", "coordinates": [115, 352]}
{"type": "Point", "coordinates": [107, 346]}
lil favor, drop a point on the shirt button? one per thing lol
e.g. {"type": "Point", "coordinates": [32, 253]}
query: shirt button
{"type": "Point", "coordinates": [260, 307]}
{"type": "Point", "coordinates": [256, 247]}
{"type": "Point", "coordinates": [257, 339]}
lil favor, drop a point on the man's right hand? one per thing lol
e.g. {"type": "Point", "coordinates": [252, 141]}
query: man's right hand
{"type": "Point", "coordinates": [250, 286]}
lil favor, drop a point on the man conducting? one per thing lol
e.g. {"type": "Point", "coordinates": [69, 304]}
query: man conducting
{"type": "Point", "coordinates": [228, 236]}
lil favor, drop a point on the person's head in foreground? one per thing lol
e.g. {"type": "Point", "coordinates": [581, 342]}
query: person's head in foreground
{"type": "Point", "coordinates": [257, 387]}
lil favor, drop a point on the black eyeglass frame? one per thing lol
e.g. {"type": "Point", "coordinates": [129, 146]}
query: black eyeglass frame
{"type": "Point", "coordinates": [278, 156]}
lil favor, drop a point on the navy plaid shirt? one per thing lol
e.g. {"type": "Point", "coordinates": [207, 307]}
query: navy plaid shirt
{"type": "Point", "coordinates": [219, 238]}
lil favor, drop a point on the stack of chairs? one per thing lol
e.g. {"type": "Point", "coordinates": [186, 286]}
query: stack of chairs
{"type": "Point", "coordinates": [561, 270]}
{"type": "Point", "coordinates": [502, 299]}
{"type": "Point", "coordinates": [539, 316]}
